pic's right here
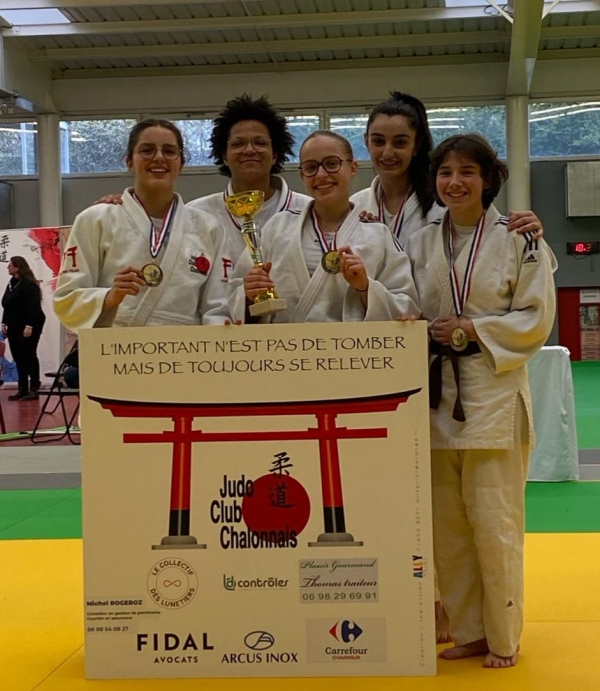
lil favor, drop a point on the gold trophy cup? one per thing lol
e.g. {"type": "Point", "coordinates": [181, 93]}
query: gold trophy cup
{"type": "Point", "coordinates": [244, 206]}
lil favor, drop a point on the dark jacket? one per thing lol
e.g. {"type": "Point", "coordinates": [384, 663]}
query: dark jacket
{"type": "Point", "coordinates": [22, 303]}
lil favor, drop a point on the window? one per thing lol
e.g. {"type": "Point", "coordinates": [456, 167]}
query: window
{"type": "Point", "coordinates": [196, 139]}
{"type": "Point", "coordinates": [17, 148]}
{"type": "Point", "coordinates": [94, 146]}
{"type": "Point", "coordinates": [301, 126]}
{"type": "Point", "coordinates": [564, 129]}
{"type": "Point", "coordinates": [488, 121]}
{"type": "Point", "coordinates": [352, 126]}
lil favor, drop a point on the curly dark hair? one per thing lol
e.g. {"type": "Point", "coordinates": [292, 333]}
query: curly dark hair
{"type": "Point", "coordinates": [414, 111]}
{"type": "Point", "coordinates": [471, 147]}
{"type": "Point", "coordinates": [242, 108]}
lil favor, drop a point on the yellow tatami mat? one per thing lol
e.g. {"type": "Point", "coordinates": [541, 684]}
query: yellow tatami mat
{"type": "Point", "coordinates": [41, 628]}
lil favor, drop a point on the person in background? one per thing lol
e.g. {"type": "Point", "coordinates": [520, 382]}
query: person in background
{"type": "Point", "coordinates": [489, 298]}
{"type": "Point", "coordinates": [22, 324]}
{"type": "Point", "coordinates": [150, 261]}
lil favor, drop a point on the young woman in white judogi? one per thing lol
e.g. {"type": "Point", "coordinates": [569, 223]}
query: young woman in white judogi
{"type": "Point", "coordinates": [324, 261]}
{"type": "Point", "coordinates": [399, 142]}
{"type": "Point", "coordinates": [490, 300]}
{"type": "Point", "coordinates": [149, 261]}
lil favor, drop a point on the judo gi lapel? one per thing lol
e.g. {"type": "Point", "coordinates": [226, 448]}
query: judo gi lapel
{"type": "Point", "coordinates": [169, 259]}
{"type": "Point", "coordinates": [313, 287]}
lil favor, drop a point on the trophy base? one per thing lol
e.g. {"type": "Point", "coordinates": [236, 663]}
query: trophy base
{"type": "Point", "coordinates": [179, 542]}
{"type": "Point", "coordinates": [336, 540]}
{"type": "Point", "coordinates": [260, 309]}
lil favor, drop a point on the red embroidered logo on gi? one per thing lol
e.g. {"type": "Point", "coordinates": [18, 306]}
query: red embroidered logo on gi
{"type": "Point", "coordinates": [227, 264]}
{"type": "Point", "coordinates": [70, 253]}
{"type": "Point", "coordinates": [199, 265]}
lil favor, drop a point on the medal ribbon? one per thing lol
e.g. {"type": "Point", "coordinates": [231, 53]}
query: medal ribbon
{"type": "Point", "coordinates": [459, 296]}
{"type": "Point", "coordinates": [325, 246]}
{"type": "Point", "coordinates": [398, 218]}
{"type": "Point", "coordinates": [158, 238]}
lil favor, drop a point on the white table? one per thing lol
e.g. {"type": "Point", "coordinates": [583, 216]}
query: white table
{"type": "Point", "coordinates": [555, 458]}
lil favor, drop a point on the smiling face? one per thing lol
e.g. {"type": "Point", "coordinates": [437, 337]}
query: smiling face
{"type": "Point", "coordinates": [157, 173]}
{"type": "Point", "coordinates": [392, 143]}
{"type": "Point", "coordinates": [328, 189]}
{"type": "Point", "coordinates": [460, 186]}
{"type": "Point", "coordinates": [249, 154]}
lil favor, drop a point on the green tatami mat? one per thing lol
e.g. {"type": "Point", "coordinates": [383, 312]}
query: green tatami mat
{"type": "Point", "coordinates": [586, 381]}
{"type": "Point", "coordinates": [40, 514]}
{"type": "Point", "coordinates": [557, 507]}
{"type": "Point", "coordinates": [562, 507]}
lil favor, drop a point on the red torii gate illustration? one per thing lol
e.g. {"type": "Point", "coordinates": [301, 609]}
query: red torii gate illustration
{"type": "Point", "coordinates": [327, 433]}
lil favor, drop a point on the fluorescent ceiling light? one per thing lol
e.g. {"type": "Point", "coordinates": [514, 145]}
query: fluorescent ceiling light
{"type": "Point", "coordinates": [22, 17]}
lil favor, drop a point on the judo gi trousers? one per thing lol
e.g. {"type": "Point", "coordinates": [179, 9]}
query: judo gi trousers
{"type": "Point", "coordinates": [478, 536]}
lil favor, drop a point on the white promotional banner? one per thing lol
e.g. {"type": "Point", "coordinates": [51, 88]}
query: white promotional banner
{"type": "Point", "coordinates": [41, 249]}
{"type": "Point", "coordinates": [256, 501]}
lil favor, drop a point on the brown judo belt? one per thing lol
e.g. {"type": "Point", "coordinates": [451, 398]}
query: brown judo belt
{"type": "Point", "coordinates": [439, 352]}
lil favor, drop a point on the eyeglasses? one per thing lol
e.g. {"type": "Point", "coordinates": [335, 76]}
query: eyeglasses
{"type": "Point", "coordinates": [331, 164]}
{"type": "Point", "coordinates": [169, 151]}
{"type": "Point", "coordinates": [258, 144]}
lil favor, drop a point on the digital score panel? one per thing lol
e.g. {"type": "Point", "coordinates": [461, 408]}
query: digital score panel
{"type": "Point", "coordinates": [583, 249]}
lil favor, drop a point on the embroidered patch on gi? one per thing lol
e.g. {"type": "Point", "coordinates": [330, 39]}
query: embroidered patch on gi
{"type": "Point", "coordinates": [530, 259]}
{"type": "Point", "coordinates": [199, 264]}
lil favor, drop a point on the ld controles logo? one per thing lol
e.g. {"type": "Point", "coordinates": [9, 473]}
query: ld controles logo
{"type": "Point", "coordinates": [261, 644]}
{"type": "Point", "coordinates": [172, 583]}
{"type": "Point", "coordinates": [259, 640]}
{"type": "Point", "coordinates": [271, 583]}
{"type": "Point", "coordinates": [346, 631]}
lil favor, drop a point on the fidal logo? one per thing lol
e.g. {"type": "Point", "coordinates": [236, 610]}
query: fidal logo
{"type": "Point", "coordinates": [346, 631]}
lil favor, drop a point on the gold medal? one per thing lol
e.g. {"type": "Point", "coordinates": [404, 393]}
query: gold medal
{"type": "Point", "coordinates": [330, 262]}
{"type": "Point", "coordinates": [152, 275]}
{"type": "Point", "coordinates": [459, 339]}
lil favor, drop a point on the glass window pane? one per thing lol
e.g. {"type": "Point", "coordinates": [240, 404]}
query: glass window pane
{"type": "Point", "coordinates": [488, 121]}
{"type": "Point", "coordinates": [301, 126]}
{"type": "Point", "coordinates": [196, 138]}
{"type": "Point", "coordinates": [353, 127]}
{"type": "Point", "coordinates": [564, 129]}
{"type": "Point", "coordinates": [94, 146]}
{"type": "Point", "coordinates": [17, 148]}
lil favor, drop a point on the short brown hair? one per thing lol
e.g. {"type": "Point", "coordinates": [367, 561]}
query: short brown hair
{"type": "Point", "coordinates": [332, 135]}
{"type": "Point", "coordinates": [471, 147]}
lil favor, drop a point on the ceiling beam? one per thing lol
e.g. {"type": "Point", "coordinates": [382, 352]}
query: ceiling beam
{"type": "Point", "coordinates": [566, 7]}
{"type": "Point", "coordinates": [249, 47]}
{"type": "Point", "coordinates": [299, 66]}
{"type": "Point", "coordinates": [524, 45]}
{"type": "Point", "coordinates": [275, 21]}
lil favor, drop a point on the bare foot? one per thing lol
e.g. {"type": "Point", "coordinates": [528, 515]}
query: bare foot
{"type": "Point", "coordinates": [497, 662]}
{"type": "Point", "coordinates": [458, 652]}
{"type": "Point", "coordinates": [442, 625]}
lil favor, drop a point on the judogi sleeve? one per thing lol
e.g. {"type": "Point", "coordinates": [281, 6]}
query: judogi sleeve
{"type": "Point", "coordinates": [512, 338]}
{"type": "Point", "coordinates": [78, 301]}
{"type": "Point", "coordinates": [392, 292]}
{"type": "Point", "coordinates": [215, 292]}
{"type": "Point", "coordinates": [237, 294]}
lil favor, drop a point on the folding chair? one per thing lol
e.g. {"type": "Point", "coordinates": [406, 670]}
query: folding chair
{"type": "Point", "coordinates": [61, 391]}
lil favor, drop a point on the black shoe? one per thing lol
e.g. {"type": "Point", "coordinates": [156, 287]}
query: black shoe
{"type": "Point", "coordinates": [18, 396]}
{"type": "Point", "coordinates": [31, 396]}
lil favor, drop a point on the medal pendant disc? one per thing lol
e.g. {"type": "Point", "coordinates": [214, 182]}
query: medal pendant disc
{"type": "Point", "coordinates": [152, 275]}
{"type": "Point", "coordinates": [459, 339]}
{"type": "Point", "coordinates": [331, 262]}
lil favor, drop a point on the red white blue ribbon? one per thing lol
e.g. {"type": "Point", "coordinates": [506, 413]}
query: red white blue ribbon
{"type": "Point", "coordinates": [396, 228]}
{"type": "Point", "coordinates": [159, 236]}
{"type": "Point", "coordinates": [325, 246]}
{"type": "Point", "coordinates": [460, 296]}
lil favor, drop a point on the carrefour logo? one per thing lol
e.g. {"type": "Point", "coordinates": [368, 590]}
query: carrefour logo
{"type": "Point", "coordinates": [346, 631]}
